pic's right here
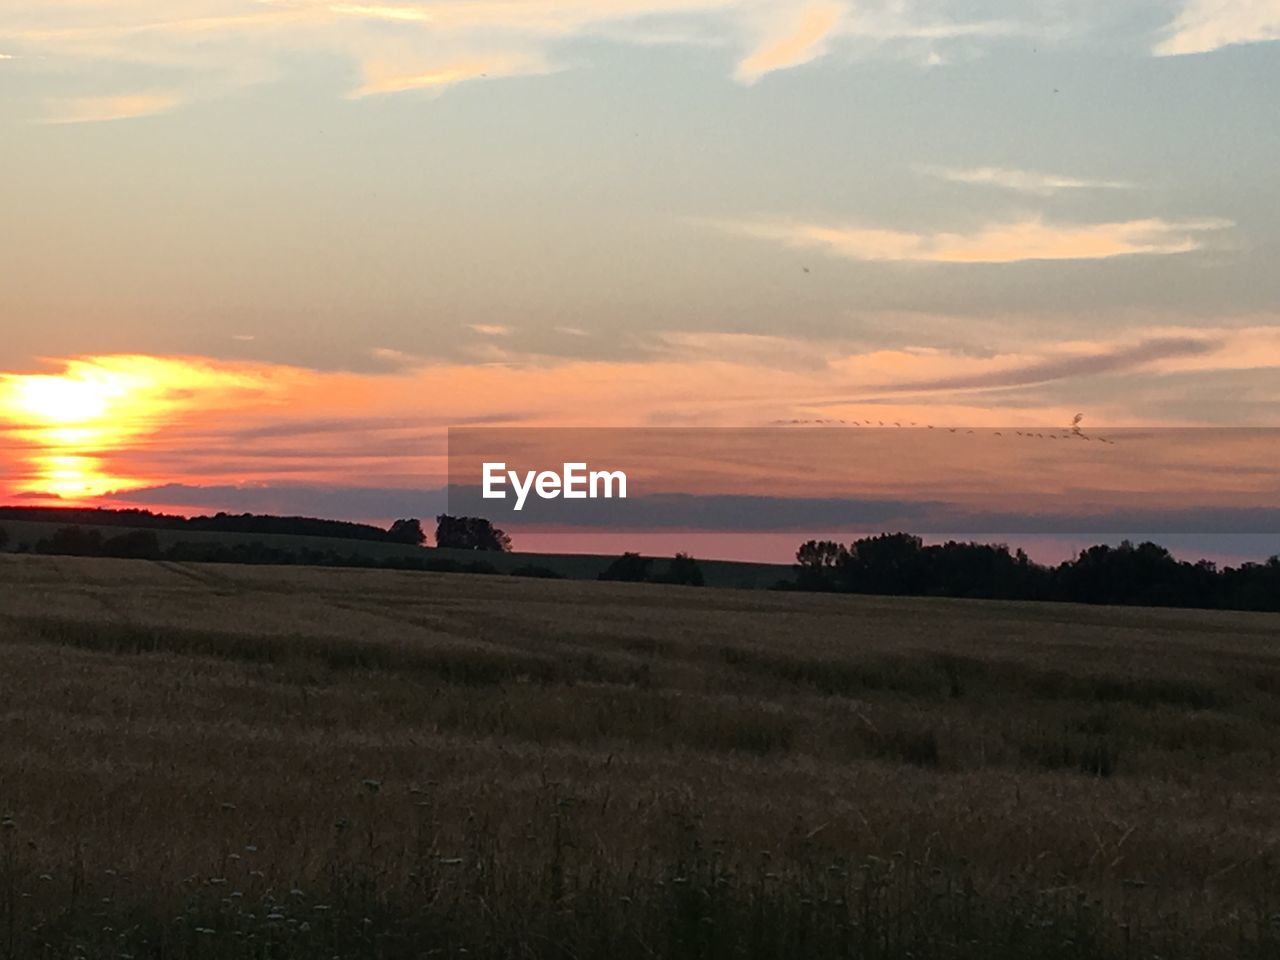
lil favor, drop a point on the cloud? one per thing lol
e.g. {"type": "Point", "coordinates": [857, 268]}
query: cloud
{"type": "Point", "coordinates": [210, 48]}
{"type": "Point", "coordinates": [1014, 242]}
{"type": "Point", "coordinates": [491, 329]}
{"type": "Point", "coordinates": [112, 423]}
{"type": "Point", "coordinates": [1235, 350]}
{"type": "Point", "coordinates": [805, 42]}
{"type": "Point", "coordinates": [1021, 181]}
{"type": "Point", "coordinates": [71, 422]}
{"type": "Point", "coordinates": [387, 358]}
{"type": "Point", "coordinates": [371, 11]}
{"type": "Point", "coordinates": [751, 349]}
{"type": "Point", "coordinates": [102, 109]}
{"type": "Point", "coordinates": [1207, 25]}
{"type": "Point", "coordinates": [389, 77]}
{"type": "Point", "coordinates": [1109, 358]}
{"type": "Point", "coordinates": [1144, 356]}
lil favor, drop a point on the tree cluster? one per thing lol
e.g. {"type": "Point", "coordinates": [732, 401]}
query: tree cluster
{"type": "Point", "coordinates": [470, 533]}
{"type": "Point", "coordinates": [1144, 574]}
{"type": "Point", "coordinates": [681, 569]}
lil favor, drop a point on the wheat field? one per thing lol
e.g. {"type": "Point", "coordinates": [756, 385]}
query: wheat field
{"type": "Point", "coordinates": [223, 761]}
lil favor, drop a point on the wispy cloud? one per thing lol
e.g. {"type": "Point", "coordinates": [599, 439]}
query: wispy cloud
{"type": "Point", "coordinates": [1013, 242]}
{"type": "Point", "coordinates": [1153, 352]}
{"type": "Point", "coordinates": [748, 349]}
{"type": "Point", "coordinates": [491, 329]}
{"type": "Point", "coordinates": [1021, 181]}
{"type": "Point", "coordinates": [1092, 361]}
{"type": "Point", "coordinates": [403, 13]}
{"type": "Point", "coordinates": [383, 77]}
{"type": "Point", "coordinates": [102, 109]}
{"type": "Point", "coordinates": [1207, 25]}
{"type": "Point", "coordinates": [388, 358]}
{"type": "Point", "coordinates": [805, 40]}
{"type": "Point", "coordinates": [430, 45]}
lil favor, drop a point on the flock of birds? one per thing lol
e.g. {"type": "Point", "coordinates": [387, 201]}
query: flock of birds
{"type": "Point", "coordinates": [1073, 432]}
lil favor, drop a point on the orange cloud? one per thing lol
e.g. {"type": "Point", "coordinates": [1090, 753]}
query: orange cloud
{"type": "Point", "coordinates": [807, 41]}
{"type": "Point", "coordinates": [432, 44]}
{"type": "Point", "coordinates": [383, 77]}
{"type": "Point", "coordinates": [102, 109]}
{"type": "Point", "coordinates": [382, 11]}
{"type": "Point", "coordinates": [1016, 242]}
{"type": "Point", "coordinates": [116, 423]}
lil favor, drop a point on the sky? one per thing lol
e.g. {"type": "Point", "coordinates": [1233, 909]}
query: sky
{"type": "Point", "coordinates": [269, 250]}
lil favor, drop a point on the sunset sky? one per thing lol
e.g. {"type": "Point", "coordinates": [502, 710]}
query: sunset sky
{"type": "Point", "coordinates": [264, 252]}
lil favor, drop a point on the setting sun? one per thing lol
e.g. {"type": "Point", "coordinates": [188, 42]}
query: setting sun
{"type": "Point", "coordinates": [77, 423]}
{"type": "Point", "coordinates": [68, 399]}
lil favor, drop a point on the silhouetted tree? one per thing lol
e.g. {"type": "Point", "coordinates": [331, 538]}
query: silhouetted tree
{"type": "Point", "coordinates": [629, 568]}
{"type": "Point", "coordinates": [892, 563]}
{"type": "Point", "coordinates": [1145, 574]}
{"type": "Point", "coordinates": [982, 570]}
{"type": "Point", "coordinates": [1252, 586]}
{"type": "Point", "coordinates": [407, 531]}
{"type": "Point", "coordinates": [816, 562]}
{"type": "Point", "coordinates": [683, 570]}
{"type": "Point", "coordinates": [470, 533]}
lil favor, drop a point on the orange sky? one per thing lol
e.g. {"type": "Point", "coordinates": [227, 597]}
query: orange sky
{"type": "Point", "coordinates": [90, 427]}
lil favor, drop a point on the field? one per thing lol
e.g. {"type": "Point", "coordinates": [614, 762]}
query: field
{"type": "Point", "coordinates": [224, 761]}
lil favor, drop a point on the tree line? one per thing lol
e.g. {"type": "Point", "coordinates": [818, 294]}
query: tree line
{"type": "Point", "coordinates": [462, 533]}
{"type": "Point", "coordinates": [402, 531]}
{"type": "Point", "coordinates": [897, 564]}
{"type": "Point", "coordinates": [681, 569]}
{"type": "Point", "coordinates": [1144, 574]}
{"type": "Point", "coordinates": [75, 541]}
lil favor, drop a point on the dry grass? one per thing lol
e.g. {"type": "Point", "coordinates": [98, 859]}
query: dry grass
{"type": "Point", "coordinates": [471, 766]}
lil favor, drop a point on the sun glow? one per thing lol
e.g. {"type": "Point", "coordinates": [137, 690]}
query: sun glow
{"type": "Point", "coordinates": [70, 399]}
{"type": "Point", "coordinates": [75, 423]}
